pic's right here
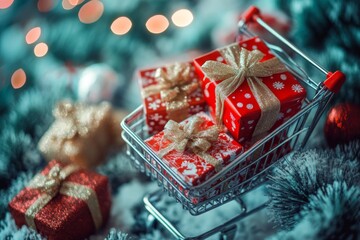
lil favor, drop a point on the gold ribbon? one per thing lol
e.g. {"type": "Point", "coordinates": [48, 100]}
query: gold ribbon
{"type": "Point", "coordinates": [243, 64]}
{"type": "Point", "coordinates": [54, 183]}
{"type": "Point", "coordinates": [190, 137]}
{"type": "Point", "coordinates": [174, 85]}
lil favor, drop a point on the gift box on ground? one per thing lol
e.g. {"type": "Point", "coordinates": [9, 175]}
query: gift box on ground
{"type": "Point", "coordinates": [82, 134]}
{"type": "Point", "coordinates": [248, 89]}
{"type": "Point", "coordinates": [194, 149]}
{"type": "Point", "coordinates": [63, 202]}
{"type": "Point", "coordinates": [171, 92]}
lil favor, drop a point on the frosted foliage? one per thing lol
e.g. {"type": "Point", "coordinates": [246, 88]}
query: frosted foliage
{"type": "Point", "coordinates": [8, 230]}
{"type": "Point", "coordinates": [335, 211]}
{"type": "Point", "coordinates": [15, 187]}
{"type": "Point", "coordinates": [19, 153]}
{"type": "Point", "coordinates": [332, 213]}
{"type": "Point", "coordinates": [295, 181]}
{"type": "Point", "coordinates": [335, 49]}
{"type": "Point", "coordinates": [118, 169]}
{"type": "Point", "coordinates": [125, 201]}
{"type": "Point", "coordinates": [350, 151]}
{"type": "Point", "coordinates": [117, 235]}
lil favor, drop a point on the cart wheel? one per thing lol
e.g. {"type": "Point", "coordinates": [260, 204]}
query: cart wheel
{"type": "Point", "coordinates": [228, 233]}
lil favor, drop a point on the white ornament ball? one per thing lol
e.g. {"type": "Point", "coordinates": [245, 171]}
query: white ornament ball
{"type": "Point", "coordinates": [97, 83]}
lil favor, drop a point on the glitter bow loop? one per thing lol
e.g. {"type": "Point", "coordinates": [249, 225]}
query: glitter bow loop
{"type": "Point", "coordinates": [55, 183]}
{"type": "Point", "coordinates": [242, 64]}
{"type": "Point", "coordinates": [51, 183]}
{"type": "Point", "coordinates": [174, 85]}
{"type": "Point", "coordinates": [190, 137]}
{"type": "Point", "coordinates": [74, 119]}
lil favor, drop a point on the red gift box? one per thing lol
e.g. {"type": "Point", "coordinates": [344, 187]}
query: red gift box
{"type": "Point", "coordinates": [241, 108]}
{"type": "Point", "coordinates": [191, 167]}
{"type": "Point", "coordinates": [63, 202]}
{"type": "Point", "coordinates": [157, 110]}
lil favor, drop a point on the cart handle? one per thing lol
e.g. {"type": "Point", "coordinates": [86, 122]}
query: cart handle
{"type": "Point", "coordinates": [333, 81]}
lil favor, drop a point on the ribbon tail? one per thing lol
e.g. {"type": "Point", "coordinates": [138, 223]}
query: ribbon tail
{"type": "Point", "coordinates": [219, 108]}
{"type": "Point", "coordinates": [168, 149]}
{"type": "Point", "coordinates": [211, 160]}
{"type": "Point", "coordinates": [269, 105]}
{"type": "Point", "coordinates": [223, 90]}
{"type": "Point", "coordinates": [153, 89]}
{"type": "Point", "coordinates": [35, 208]}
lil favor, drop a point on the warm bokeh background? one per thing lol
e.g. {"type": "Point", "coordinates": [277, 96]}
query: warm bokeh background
{"type": "Point", "coordinates": [89, 51]}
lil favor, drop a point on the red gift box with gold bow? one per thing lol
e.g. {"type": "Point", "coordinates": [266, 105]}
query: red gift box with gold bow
{"type": "Point", "coordinates": [248, 89]}
{"type": "Point", "coordinates": [170, 92]}
{"type": "Point", "coordinates": [194, 149]}
{"type": "Point", "coordinates": [63, 202]}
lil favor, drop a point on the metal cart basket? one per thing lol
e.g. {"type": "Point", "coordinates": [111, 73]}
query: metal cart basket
{"type": "Point", "coordinates": [221, 188]}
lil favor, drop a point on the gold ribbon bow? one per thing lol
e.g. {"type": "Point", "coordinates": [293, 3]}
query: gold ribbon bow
{"type": "Point", "coordinates": [190, 137]}
{"type": "Point", "coordinates": [174, 85]}
{"type": "Point", "coordinates": [54, 183]}
{"type": "Point", "coordinates": [243, 64]}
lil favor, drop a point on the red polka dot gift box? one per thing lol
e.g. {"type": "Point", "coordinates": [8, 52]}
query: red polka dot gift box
{"type": "Point", "coordinates": [248, 89]}
{"type": "Point", "coordinates": [170, 92]}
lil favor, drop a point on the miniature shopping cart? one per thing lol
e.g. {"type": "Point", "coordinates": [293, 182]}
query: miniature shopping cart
{"type": "Point", "coordinates": [294, 133]}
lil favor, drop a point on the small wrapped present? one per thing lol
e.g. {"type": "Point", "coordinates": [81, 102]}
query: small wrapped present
{"type": "Point", "coordinates": [248, 89]}
{"type": "Point", "coordinates": [194, 149]}
{"type": "Point", "coordinates": [171, 92]}
{"type": "Point", "coordinates": [82, 134]}
{"type": "Point", "coordinates": [63, 202]}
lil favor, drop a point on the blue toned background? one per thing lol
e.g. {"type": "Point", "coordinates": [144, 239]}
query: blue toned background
{"type": "Point", "coordinates": [89, 51]}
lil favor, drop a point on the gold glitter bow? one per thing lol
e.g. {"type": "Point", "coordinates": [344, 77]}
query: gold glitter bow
{"type": "Point", "coordinates": [174, 85]}
{"type": "Point", "coordinates": [190, 137]}
{"type": "Point", "coordinates": [79, 127]}
{"type": "Point", "coordinates": [54, 183]}
{"type": "Point", "coordinates": [243, 64]}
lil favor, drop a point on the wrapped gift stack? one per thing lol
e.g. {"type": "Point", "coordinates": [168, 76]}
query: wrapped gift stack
{"type": "Point", "coordinates": [248, 94]}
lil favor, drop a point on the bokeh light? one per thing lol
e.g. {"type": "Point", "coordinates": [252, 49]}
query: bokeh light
{"type": "Point", "coordinates": [5, 3]}
{"type": "Point", "coordinates": [33, 35]}
{"type": "Point", "coordinates": [41, 49]}
{"type": "Point", "coordinates": [157, 24]}
{"type": "Point", "coordinates": [182, 18]}
{"type": "Point", "coordinates": [121, 25]}
{"type": "Point", "coordinates": [18, 78]}
{"type": "Point", "coordinates": [45, 5]}
{"type": "Point", "coordinates": [75, 2]}
{"type": "Point", "coordinates": [91, 11]}
{"type": "Point", "coordinates": [67, 5]}
{"type": "Point", "coordinates": [70, 4]}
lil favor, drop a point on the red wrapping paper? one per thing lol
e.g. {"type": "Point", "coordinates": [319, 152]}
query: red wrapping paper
{"type": "Point", "coordinates": [190, 167]}
{"type": "Point", "coordinates": [155, 110]}
{"type": "Point", "coordinates": [64, 217]}
{"type": "Point", "coordinates": [241, 110]}
{"type": "Point", "coordinates": [243, 169]}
